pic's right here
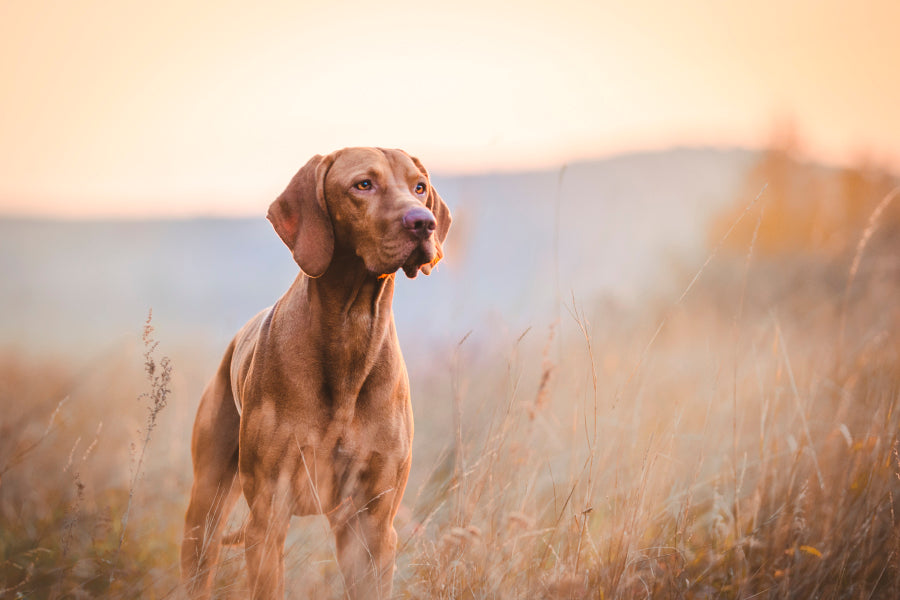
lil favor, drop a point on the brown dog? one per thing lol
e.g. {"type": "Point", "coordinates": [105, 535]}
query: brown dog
{"type": "Point", "coordinates": [310, 406]}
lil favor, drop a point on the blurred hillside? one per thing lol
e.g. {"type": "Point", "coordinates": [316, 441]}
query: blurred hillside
{"type": "Point", "coordinates": [808, 208]}
{"type": "Point", "coordinates": [85, 287]}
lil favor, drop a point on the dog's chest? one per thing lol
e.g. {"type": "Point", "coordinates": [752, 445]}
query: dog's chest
{"type": "Point", "coordinates": [343, 478]}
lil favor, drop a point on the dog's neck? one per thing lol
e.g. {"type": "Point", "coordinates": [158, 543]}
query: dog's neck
{"type": "Point", "coordinates": [346, 303]}
{"type": "Point", "coordinates": [347, 294]}
{"type": "Point", "coordinates": [348, 311]}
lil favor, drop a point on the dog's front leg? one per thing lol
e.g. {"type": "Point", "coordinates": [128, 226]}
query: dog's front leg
{"type": "Point", "coordinates": [267, 528]}
{"type": "Point", "coordinates": [366, 544]}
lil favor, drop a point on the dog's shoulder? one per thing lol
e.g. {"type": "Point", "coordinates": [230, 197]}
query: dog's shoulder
{"type": "Point", "coordinates": [245, 344]}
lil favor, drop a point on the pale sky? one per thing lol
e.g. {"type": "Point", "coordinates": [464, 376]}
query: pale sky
{"type": "Point", "coordinates": [174, 108]}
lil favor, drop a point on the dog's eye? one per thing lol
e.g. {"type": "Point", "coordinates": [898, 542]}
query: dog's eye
{"type": "Point", "coordinates": [365, 184]}
{"type": "Point", "coordinates": [420, 188]}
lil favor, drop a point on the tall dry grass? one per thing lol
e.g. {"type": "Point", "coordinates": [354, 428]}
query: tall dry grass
{"type": "Point", "coordinates": [72, 464]}
{"type": "Point", "coordinates": [749, 449]}
{"type": "Point", "coordinates": [734, 438]}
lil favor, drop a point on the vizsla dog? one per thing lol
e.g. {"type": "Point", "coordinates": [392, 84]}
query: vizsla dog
{"type": "Point", "coordinates": [309, 412]}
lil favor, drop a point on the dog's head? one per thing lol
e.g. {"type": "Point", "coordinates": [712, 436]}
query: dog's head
{"type": "Point", "coordinates": [378, 204]}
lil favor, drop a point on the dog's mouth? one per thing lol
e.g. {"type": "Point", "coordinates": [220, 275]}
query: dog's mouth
{"type": "Point", "coordinates": [422, 258]}
{"type": "Point", "coordinates": [410, 254]}
{"type": "Point", "coordinates": [418, 260]}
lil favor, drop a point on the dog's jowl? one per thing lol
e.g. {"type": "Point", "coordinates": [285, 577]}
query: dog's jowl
{"type": "Point", "coordinates": [309, 411]}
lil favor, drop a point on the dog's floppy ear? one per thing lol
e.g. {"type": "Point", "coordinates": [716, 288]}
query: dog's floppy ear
{"type": "Point", "coordinates": [300, 217]}
{"type": "Point", "coordinates": [441, 213]}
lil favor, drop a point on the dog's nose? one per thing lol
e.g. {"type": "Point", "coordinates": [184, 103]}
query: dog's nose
{"type": "Point", "coordinates": [419, 221]}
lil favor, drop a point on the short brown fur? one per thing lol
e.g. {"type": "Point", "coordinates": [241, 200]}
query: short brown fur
{"type": "Point", "coordinates": [309, 412]}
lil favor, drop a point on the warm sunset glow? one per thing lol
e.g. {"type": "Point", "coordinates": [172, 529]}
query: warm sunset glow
{"type": "Point", "coordinates": [182, 108]}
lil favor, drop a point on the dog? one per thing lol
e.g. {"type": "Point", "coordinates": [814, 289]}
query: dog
{"type": "Point", "coordinates": [309, 411]}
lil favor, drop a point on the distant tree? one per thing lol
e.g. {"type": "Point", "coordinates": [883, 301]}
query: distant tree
{"type": "Point", "coordinates": [807, 208]}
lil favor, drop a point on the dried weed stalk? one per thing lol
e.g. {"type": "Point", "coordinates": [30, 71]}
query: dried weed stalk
{"type": "Point", "coordinates": [160, 377]}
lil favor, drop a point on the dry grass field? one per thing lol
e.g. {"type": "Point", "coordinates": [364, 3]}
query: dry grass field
{"type": "Point", "coordinates": [736, 437]}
